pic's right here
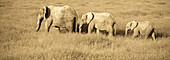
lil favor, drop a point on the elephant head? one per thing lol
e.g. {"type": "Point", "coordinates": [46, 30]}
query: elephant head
{"type": "Point", "coordinates": [86, 19]}
{"type": "Point", "coordinates": [130, 26]}
{"type": "Point", "coordinates": [43, 14]}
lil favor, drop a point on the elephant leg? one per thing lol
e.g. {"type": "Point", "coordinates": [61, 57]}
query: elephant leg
{"type": "Point", "coordinates": [64, 30]}
{"type": "Point", "coordinates": [67, 29]}
{"type": "Point", "coordinates": [54, 29]}
{"type": "Point", "coordinates": [90, 28]}
{"type": "Point", "coordinates": [148, 32]}
{"type": "Point", "coordinates": [57, 29]}
{"type": "Point", "coordinates": [97, 31]}
{"type": "Point", "coordinates": [146, 36]}
{"type": "Point", "coordinates": [110, 31]}
{"type": "Point", "coordinates": [76, 27]}
{"type": "Point", "coordinates": [135, 34]}
{"type": "Point", "coordinates": [48, 24]}
{"type": "Point", "coordinates": [114, 28]}
{"type": "Point", "coordinates": [80, 30]}
{"type": "Point", "coordinates": [153, 35]}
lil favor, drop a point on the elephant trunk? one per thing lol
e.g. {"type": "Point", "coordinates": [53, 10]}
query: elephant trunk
{"type": "Point", "coordinates": [38, 25]}
{"type": "Point", "coordinates": [40, 19]}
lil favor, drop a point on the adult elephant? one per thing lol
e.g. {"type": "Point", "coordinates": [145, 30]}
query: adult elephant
{"type": "Point", "coordinates": [63, 17]}
{"type": "Point", "coordinates": [144, 28]}
{"type": "Point", "coordinates": [100, 21]}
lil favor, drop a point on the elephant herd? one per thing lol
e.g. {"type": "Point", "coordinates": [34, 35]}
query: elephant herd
{"type": "Point", "coordinates": [65, 18]}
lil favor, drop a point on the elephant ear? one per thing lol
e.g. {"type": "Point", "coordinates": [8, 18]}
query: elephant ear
{"type": "Point", "coordinates": [46, 12]}
{"type": "Point", "coordinates": [128, 26]}
{"type": "Point", "coordinates": [133, 25]}
{"type": "Point", "coordinates": [90, 17]}
{"type": "Point", "coordinates": [84, 17]}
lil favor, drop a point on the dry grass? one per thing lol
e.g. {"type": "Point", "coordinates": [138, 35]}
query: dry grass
{"type": "Point", "coordinates": [18, 39]}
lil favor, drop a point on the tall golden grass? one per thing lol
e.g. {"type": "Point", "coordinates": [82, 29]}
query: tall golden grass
{"type": "Point", "coordinates": [18, 39]}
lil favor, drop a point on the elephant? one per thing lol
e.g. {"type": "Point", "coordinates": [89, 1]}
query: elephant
{"type": "Point", "coordinates": [144, 28]}
{"type": "Point", "coordinates": [60, 17]}
{"type": "Point", "coordinates": [100, 21]}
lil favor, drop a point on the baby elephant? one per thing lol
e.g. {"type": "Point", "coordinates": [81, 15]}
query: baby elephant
{"type": "Point", "coordinates": [100, 21]}
{"type": "Point", "coordinates": [144, 28]}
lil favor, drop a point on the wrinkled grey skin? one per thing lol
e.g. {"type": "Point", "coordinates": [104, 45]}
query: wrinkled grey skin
{"type": "Point", "coordinates": [143, 28]}
{"type": "Point", "coordinates": [100, 21]}
{"type": "Point", "coordinates": [63, 17]}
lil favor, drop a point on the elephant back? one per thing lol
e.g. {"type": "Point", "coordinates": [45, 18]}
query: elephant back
{"type": "Point", "coordinates": [103, 20]}
{"type": "Point", "coordinates": [144, 27]}
{"type": "Point", "coordinates": [64, 16]}
{"type": "Point", "coordinates": [69, 13]}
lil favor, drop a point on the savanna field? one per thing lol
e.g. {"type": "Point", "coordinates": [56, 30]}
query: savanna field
{"type": "Point", "coordinates": [20, 41]}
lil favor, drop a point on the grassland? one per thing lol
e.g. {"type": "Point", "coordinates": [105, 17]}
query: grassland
{"type": "Point", "coordinates": [18, 39]}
